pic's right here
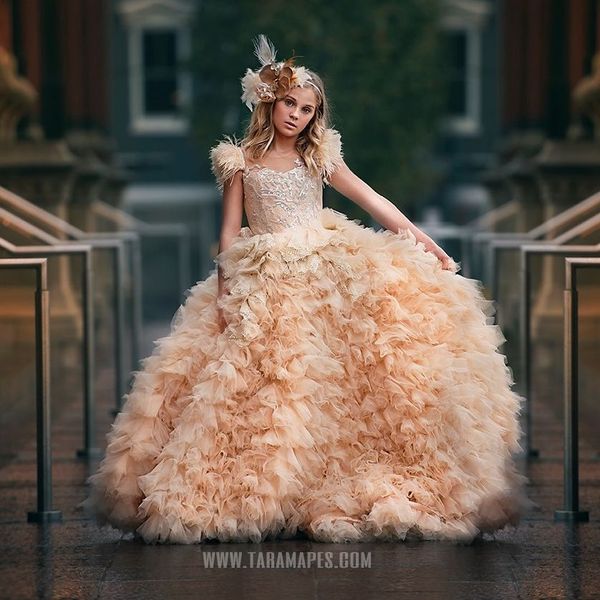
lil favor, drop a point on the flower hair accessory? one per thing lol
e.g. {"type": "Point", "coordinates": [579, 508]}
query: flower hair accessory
{"type": "Point", "coordinates": [274, 79]}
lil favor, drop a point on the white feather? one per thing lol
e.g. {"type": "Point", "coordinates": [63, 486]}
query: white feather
{"type": "Point", "coordinates": [331, 153]}
{"type": "Point", "coordinates": [264, 50]}
{"type": "Point", "coordinates": [226, 158]}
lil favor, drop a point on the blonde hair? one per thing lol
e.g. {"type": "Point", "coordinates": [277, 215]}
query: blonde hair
{"type": "Point", "coordinates": [260, 132]}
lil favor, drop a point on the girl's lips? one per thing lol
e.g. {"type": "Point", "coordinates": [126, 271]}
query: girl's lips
{"type": "Point", "coordinates": [290, 124]}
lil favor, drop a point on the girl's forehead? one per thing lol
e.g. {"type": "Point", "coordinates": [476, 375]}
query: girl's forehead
{"type": "Point", "coordinates": [303, 95]}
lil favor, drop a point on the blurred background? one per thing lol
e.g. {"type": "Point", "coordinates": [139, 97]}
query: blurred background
{"type": "Point", "coordinates": [480, 119]}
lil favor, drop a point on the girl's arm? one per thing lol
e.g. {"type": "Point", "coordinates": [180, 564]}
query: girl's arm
{"type": "Point", "coordinates": [381, 209]}
{"type": "Point", "coordinates": [231, 224]}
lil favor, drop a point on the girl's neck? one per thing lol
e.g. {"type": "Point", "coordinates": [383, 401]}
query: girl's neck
{"type": "Point", "coordinates": [283, 145]}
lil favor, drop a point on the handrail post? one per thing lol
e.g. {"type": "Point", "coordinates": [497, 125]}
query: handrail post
{"type": "Point", "coordinates": [42, 384]}
{"type": "Point", "coordinates": [44, 512]}
{"type": "Point", "coordinates": [137, 316]}
{"type": "Point", "coordinates": [89, 449]}
{"type": "Point", "coordinates": [184, 261]}
{"type": "Point", "coordinates": [119, 312]}
{"type": "Point", "coordinates": [117, 252]}
{"type": "Point", "coordinates": [113, 242]}
{"type": "Point", "coordinates": [525, 349]}
{"type": "Point", "coordinates": [87, 310]}
{"type": "Point", "coordinates": [571, 511]}
{"type": "Point", "coordinates": [465, 250]}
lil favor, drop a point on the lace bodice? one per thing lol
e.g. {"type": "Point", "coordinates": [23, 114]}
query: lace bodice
{"type": "Point", "coordinates": [275, 200]}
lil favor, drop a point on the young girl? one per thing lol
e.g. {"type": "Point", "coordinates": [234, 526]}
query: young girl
{"type": "Point", "coordinates": [328, 379]}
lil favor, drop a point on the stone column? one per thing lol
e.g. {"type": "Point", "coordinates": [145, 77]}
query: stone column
{"type": "Point", "coordinates": [114, 186]}
{"type": "Point", "coordinates": [568, 172]}
{"type": "Point", "coordinates": [88, 179]}
{"type": "Point", "coordinates": [17, 97]}
{"type": "Point", "coordinates": [42, 173]}
{"type": "Point", "coordinates": [520, 173]}
{"type": "Point", "coordinates": [39, 171]}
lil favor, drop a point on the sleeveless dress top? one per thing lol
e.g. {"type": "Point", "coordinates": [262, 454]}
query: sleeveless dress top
{"type": "Point", "coordinates": [275, 200]}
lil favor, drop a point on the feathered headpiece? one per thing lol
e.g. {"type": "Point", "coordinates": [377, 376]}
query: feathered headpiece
{"type": "Point", "coordinates": [274, 79]}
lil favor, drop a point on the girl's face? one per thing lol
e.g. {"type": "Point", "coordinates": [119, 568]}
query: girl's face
{"type": "Point", "coordinates": [293, 112]}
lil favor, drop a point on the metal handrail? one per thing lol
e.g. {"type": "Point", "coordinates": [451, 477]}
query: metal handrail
{"type": "Point", "coordinates": [495, 215]}
{"type": "Point", "coordinates": [133, 239]}
{"type": "Point", "coordinates": [116, 247]}
{"type": "Point", "coordinates": [97, 240]}
{"type": "Point", "coordinates": [25, 228]}
{"type": "Point", "coordinates": [179, 231]}
{"type": "Point", "coordinates": [559, 220]}
{"type": "Point", "coordinates": [468, 232]}
{"type": "Point", "coordinates": [499, 245]}
{"type": "Point", "coordinates": [479, 229]}
{"type": "Point", "coordinates": [44, 513]}
{"type": "Point", "coordinates": [581, 230]}
{"type": "Point", "coordinates": [571, 511]}
{"type": "Point", "coordinates": [544, 229]}
{"type": "Point", "coordinates": [563, 217]}
{"type": "Point", "coordinates": [479, 252]}
{"type": "Point", "coordinates": [87, 310]}
{"type": "Point", "coordinates": [525, 352]}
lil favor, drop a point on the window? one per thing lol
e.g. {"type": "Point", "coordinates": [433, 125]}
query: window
{"type": "Point", "coordinates": [462, 27]}
{"type": "Point", "coordinates": [463, 51]}
{"type": "Point", "coordinates": [158, 45]}
{"type": "Point", "coordinates": [456, 53]}
{"type": "Point", "coordinates": [159, 50]}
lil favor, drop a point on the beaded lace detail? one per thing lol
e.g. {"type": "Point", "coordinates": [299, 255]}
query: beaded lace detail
{"type": "Point", "coordinates": [275, 200]}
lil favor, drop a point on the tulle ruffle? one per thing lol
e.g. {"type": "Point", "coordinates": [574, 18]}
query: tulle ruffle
{"type": "Point", "coordinates": [357, 393]}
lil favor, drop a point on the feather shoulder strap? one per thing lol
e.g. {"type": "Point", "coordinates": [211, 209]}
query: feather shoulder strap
{"type": "Point", "coordinates": [226, 159]}
{"type": "Point", "coordinates": [330, 153]}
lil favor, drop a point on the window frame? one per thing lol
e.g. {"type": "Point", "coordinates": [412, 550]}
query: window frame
{"type": "Point", "coordinates": [469, 122]}
{"type": "Point", "coordinates": [140, 121]}
{"type": "Point", "coordinates": [468, 17]}
{"type": "Point", "coordinates": [141, 16]}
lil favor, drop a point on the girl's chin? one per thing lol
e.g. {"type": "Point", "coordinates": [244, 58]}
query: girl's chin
{"type": "Point", "coordinates": [288, 131]}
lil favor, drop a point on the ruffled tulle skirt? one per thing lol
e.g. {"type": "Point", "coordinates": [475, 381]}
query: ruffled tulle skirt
{"type": "Point", "coordinates": [357, 393]}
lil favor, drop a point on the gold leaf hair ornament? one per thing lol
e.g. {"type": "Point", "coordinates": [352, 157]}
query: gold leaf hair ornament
{"type": "Point", "coordinates": [274, 79]}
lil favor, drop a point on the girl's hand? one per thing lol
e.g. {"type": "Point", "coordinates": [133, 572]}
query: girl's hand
{"type": "Point", "coordinates": [446, 260]}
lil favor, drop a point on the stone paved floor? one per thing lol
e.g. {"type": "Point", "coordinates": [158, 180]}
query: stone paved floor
{"type": "Point", "coordinates": [75, 559]}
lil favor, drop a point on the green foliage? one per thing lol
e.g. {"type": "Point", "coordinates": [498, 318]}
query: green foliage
{"type": "Point", "coordinates": [381, 64]}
